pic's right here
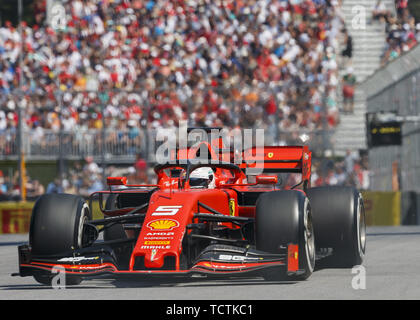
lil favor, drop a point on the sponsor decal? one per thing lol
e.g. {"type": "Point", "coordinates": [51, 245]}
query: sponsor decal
{"type": "Point", "coordinates": [156, 242]}
{"type": "Point", "coordinates": [91, 268]}
{"type": "Point", "coordinates": [166, 224]}
{"type": "Point", "coordinates": [229, 257]}
{"type": "Point", "coordinates": [158, 238]}
{"type": "Point", "coordinates": [77, 259]}
{"type": "Point", "coordinates": [155, 247]}
{"type": "Point", "coordinates": [270, 155]}
{"type": "Point", "coordinates": [168, 183]}
{"type": "Point", "coordinates": [166, 210]}
{"type": "Point", "coordinates": [153, 234]}
{"type": "Point", "coordinates": [15, 219]}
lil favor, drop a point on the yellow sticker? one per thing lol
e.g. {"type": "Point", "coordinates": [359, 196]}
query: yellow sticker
{"type": "Point", "coordinates": [232, 207]}
{"type": "Point", "coordinates": [156, 242]}
{"type": "Point", "coordinates": [270, 154]}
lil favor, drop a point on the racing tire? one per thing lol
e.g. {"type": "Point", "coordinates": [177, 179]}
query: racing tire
{"type": "Point", "coordinates": [339, 223]}
{"type": "Point", "coordinates": [282, 218]}
{"type": "Point", "coordinates": [56, 227]}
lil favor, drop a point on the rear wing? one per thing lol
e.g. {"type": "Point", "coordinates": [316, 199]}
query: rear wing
{"type": "Point", "coordinates": [257, 160]}
{"type": "Point", "coordinates": [274, 159]}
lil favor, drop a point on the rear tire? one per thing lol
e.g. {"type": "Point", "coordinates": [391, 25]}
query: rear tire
{"type": "Point", "coordinates": [339, 223]}
{"type": "Point", "coordinates": [282, 218]}
{"type": "Point", "coordinates": [56, 227]}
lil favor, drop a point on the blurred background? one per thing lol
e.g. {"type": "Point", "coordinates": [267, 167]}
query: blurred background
{"type": "Point", "coordinates": [86, 84]}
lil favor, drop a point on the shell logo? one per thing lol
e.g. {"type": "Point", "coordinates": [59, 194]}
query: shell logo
{"type": "Point", "coordinates": [270, 154]}
{"type": "Point", "coordinates": [166, 224]}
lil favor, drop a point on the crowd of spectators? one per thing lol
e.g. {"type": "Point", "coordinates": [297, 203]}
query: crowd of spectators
{"type": "Point", "coordinates": [352, 170]}
{"type": "Point", "coordinates": [257, 63]}
{"type": "Point", "coordinates": [128, 65]}
{"type": "Point", "coordinates": [10, 189]}
{"type": "Point", "coordinates": [81, 177]}
{"type": "Point", "coordinates": [403, 33]}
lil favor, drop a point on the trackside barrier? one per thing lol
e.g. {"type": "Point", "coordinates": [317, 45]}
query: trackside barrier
{"type": "Point", "coordinates": [15, 217]}
{"type": "Point", "coordinates": [410, 208]}
{"type": "Point", "coordinates": [382, 209]}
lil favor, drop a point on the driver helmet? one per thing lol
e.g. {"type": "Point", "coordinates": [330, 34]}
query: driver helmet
{"type": "Point", "coordinates": [202, 177]}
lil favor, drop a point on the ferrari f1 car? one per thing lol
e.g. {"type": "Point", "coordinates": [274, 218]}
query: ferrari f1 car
{"type": "Point", "coordinates": [220, 222]}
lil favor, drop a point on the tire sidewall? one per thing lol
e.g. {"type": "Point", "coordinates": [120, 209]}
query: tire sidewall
{"type": "Point", "coordinates": [83, 214]}
{"type": "Point", "coordinates": [359, 248]}
{"type": "Point", "coordinates": [306, 260]}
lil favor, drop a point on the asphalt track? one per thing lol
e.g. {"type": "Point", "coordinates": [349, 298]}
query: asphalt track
{"type": "Point", "coordinates": [392, 272]}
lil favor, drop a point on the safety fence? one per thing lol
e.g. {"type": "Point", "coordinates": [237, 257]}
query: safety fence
{"type": "Point", "coordinates": [382, 209]}
{"type": "Point", "coordinates": [50, 145]}
{"type": "Point", "coordinates": [119, 123]}
{"type": "Point", "coordinates": [116, 145]}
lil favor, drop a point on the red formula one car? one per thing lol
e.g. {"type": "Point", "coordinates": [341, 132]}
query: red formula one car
{"type": "Point", "coordinates": [200, 218]}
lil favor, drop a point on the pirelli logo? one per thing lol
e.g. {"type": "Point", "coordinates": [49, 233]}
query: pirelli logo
{"type": "Point", "coordinates": [156, 243]}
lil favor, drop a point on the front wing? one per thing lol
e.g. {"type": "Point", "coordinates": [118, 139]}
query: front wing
{"type": "Point", "coordinates": [214, 260]}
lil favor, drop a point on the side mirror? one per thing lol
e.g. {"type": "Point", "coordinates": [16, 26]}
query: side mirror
{"type": "Point", "coordinates": [266, 179]}
{"type": "Point", "coordinates": [116, 181]}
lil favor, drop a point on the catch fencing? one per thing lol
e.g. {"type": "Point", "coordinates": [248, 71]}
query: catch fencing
{"type": "Point", "coordinates": [121, 145]}
{"type": "Point", "coordinates": [107, 135]}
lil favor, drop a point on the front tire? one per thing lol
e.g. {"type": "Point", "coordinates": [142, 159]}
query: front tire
{"type": "Point", "coordinates": [282, 218]}
{"type": "Point", "coordinates": [57, 226]}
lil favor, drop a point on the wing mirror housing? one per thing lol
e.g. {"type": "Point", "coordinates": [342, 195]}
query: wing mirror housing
{"type": "Point", "coordinates": [264, 179]}
{"type": "Point", "coordinates": [116, 181]}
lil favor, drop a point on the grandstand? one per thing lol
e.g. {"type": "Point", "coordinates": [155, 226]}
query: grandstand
{"type": "Point", "coordinates": [368, 45]}
{"type": "Point", "coordinates": [119, 70]}
{"type": "Point", "coordinates": [247, 60]}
